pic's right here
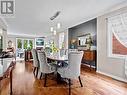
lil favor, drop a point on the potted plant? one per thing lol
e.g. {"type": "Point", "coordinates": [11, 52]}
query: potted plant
{"type": "Point", "coordinates": [89, 41]}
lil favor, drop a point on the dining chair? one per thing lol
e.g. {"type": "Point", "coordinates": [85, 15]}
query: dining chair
{"type": "Point", "coordinates": [1, 70]}
{"type": "Point", "coordinates": [62, 52]}
{"type": "Point", "coordinates": [72, 50]}
{"type": "Point", "coordinates": [47, 50]}
{"type": "Point", "coordinates": [72, 71]}
{"type": "Point", "coordinates": [45, 68]}
{"type": "Point", "coordinates": [35, 62]}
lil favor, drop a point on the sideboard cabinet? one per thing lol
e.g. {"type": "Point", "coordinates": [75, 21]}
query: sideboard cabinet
{"type": "Point", "coordinates": [89, 57]}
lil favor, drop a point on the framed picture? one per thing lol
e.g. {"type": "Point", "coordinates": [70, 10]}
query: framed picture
{"type": "Point", "coordinates": [39, 42]}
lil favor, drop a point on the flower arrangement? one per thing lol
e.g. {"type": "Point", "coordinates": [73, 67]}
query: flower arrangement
{"type": "Point", "coordinates": [54, 48]}
{"type": "Point", "coordinates": [89, 41]}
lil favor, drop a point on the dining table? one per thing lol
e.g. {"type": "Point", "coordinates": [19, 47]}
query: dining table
{"type": "Point", "coordinates": [57, 61]}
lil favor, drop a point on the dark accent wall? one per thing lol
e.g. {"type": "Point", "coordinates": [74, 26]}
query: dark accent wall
{"type": "Point", "coordinates": [82, 29]}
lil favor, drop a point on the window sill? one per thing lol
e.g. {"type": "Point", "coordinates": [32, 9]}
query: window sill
{"type": "Point", "coordinates": [117, 56]}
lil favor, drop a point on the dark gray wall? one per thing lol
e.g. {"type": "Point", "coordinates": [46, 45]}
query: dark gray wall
{"type": "Point", "coordinates": [82, 29]}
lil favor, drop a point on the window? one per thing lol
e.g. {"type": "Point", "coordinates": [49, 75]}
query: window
{"type": "Point", "coordinates": [24, 44]}
{"type": "Point", "coordinates": [39, 42]}
{"type": "Point", "coordinates": [117, 33]}
{"type": "Point", "coordinates": [30, 44]}
{"type": "Point", "coordinates": [19, 43]}
{"type": "Point", "coordinates": [61, 40]}
{"type": "Point", "coordinates": [1, 43]}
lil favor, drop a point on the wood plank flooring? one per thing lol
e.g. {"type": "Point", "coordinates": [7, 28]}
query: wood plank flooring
{"type": "Point", "coordinates": [24, 83]}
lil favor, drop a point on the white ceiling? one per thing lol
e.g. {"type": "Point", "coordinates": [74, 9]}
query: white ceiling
{"type": "Point", "coordinates": [32, 16]}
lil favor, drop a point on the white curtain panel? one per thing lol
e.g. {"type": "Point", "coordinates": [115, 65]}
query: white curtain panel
{"type": "Point", "coordinates": [118, 26]}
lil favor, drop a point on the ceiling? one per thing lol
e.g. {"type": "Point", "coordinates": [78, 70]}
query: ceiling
{"type": "Point", "coordinates": [32, 17]}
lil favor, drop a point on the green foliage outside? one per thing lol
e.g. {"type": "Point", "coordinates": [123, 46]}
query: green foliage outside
{"type": "Point", "coordinates": [30, 45]}
{"type": "Point", "coordinates": [25, 44]}
{"type": "Point", "coordinates": [53, 47]}
{"type": "Point", "coordinates": [19, 42]}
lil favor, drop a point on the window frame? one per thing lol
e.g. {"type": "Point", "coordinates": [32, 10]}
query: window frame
{"type": "Point", "coordinates": [22, 40]}
{"type": "Point", "coordinates": [110, 43]}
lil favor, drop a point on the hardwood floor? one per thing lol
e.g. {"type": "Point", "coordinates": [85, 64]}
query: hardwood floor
{"type": "Point", "coordinates": [24, 83]}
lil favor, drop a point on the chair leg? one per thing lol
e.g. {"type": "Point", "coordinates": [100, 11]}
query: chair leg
{"type": "Point", "coordinates": [58, 78]}
{"type": "Point", "coordinates": [69, 86]}
{"type": "Point", "coordinates": [80, 81]}
{"type": "Point", "coordinates": [36, 72]}
{"type": "Point", "coordinates": [41, 75]}
{"type": "Point", "coordinates": [45, 80]}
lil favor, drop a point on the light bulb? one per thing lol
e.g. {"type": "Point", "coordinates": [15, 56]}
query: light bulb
{"type": "Point", "coordinates": [54, 32]}
{"type": "Point", "coordinates": [51, 29]}
{"type": "Point", "coordinates": [58, 25]}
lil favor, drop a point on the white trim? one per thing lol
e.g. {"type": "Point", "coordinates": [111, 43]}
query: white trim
{"type": "Point", "coordinates": [109, 39]}
{"type": "Point", "coordinates": [112, 76]}
{"type": "Point", "coordinates": [118, 56]}
{"type": "Point", "coordinates": [22, 35]}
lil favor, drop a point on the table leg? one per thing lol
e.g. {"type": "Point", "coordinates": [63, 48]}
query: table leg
{"type": "Point", "coordinates": [0, 87]}
{"type": "Point", "coordinates": [11, 82]}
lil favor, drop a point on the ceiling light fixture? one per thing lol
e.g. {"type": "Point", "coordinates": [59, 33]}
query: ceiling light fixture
{"type": "Point", "coordinates": [55, 15]}
{"type": "Point", "coordinates": [54, 32]}
{"type": "Point", "coordinates": [58, 25]}
{"type": "Point", "coordinates": [51, 29]}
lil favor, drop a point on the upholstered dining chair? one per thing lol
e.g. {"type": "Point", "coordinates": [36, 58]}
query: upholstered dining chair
{"type": "Point", "coordinates": [45, 68]}
{"type": "Point", "coordinates": [1, 70]}
{"type": "Point", "coordinates": [72, 71]}
{"type": "Point", "coordinates": [35, 62]}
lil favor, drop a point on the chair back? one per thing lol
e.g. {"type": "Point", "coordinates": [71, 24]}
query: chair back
{"type": "Point", "coordinates": [74, 64]}
{"type": "Point", "coordinates": [1, 70]}
{"type": "Point", "coordinates": [44, 67]}
{"type": "Point", "coordinates": [72, 50]}
{"type": "Point", "coordinates": [35, 58]}
{"type": "Point", "coordinates": [47, 50]}
{"type": "Point", "coordinates": [62, 52]}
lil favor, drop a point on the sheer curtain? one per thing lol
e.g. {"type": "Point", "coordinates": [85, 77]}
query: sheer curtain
{"type": "Point", "coordinates": [118, 26]}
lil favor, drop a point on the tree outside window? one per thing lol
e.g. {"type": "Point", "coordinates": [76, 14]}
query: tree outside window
{"type": "Point", "coordinates": [19, 42]}
{"type": "Point", "coordinates": [30, 44]}
{"type": "Point", "coordinates": [25, 44]}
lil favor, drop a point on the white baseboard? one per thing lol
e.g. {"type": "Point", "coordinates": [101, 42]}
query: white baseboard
{"type": "Point", "coordinates": [112, 76]}
{"type": "Point", "coordinates": [88, 65]}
